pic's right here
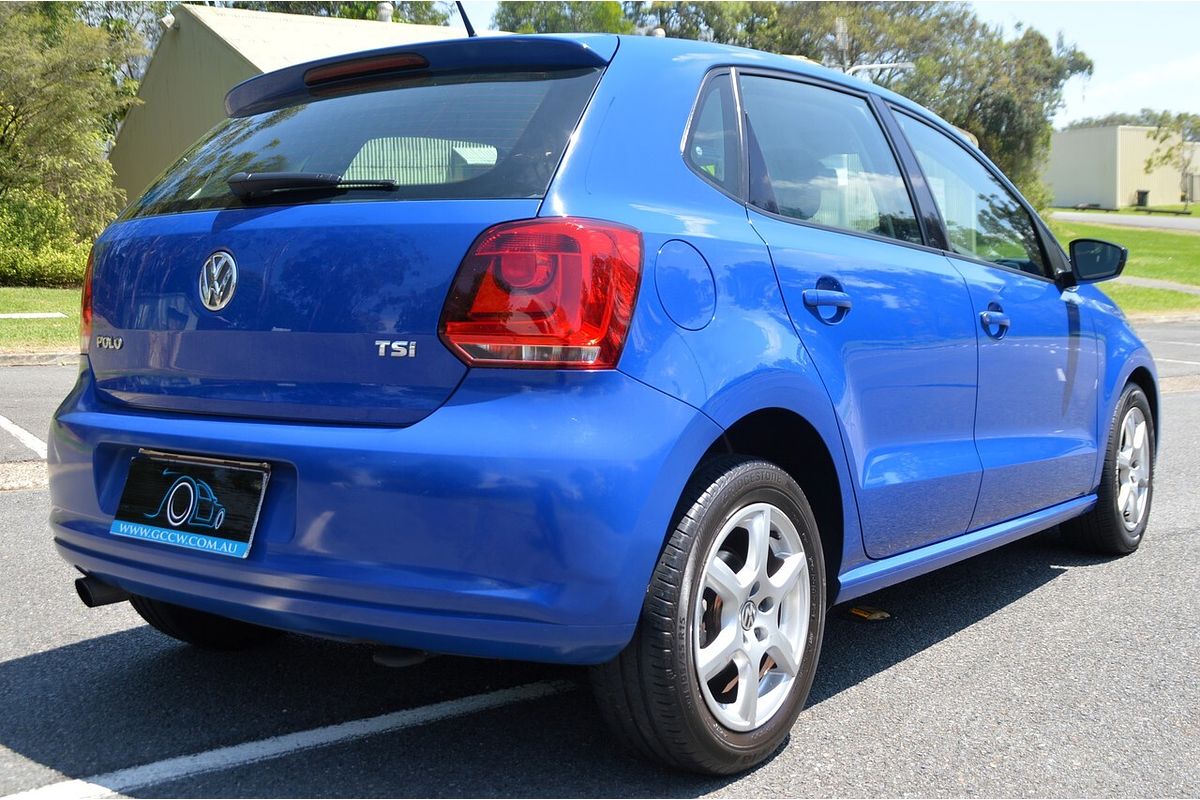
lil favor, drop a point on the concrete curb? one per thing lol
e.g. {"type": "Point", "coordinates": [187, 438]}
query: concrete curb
{"type": "Point", "coordinates": [1155, 283]}
{"type": "Point", "coordinates": [1163, 316]}
{"type": "Point", "coordinates": [1168, 223]}
{"type": "Point", "coordinates": [37, 359]}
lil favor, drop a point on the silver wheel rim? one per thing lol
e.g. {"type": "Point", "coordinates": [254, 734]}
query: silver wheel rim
{"type": "Point", "coordinates": [1133, 468]}
{"type": "Point", "coordinates": [750, 622]}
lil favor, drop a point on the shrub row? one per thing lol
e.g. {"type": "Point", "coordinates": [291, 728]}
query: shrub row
{"type": "Point", "coordinates": [37, 243]}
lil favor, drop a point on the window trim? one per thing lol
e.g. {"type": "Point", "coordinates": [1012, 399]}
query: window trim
{"type": "Point", "coordinates": [689, 128]}
{"type": "Point", "coordinates": [928, 216]}
{"type": "Point", "coordinates": [991, 170]}
{"type": "Point", "coordinates": [897, 154]}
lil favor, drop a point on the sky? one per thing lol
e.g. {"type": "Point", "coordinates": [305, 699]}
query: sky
{"type": "Point", "coordinates": [1146, 52]}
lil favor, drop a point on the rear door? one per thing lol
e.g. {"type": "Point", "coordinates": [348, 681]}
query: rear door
{"type": "Point", "coordinates": [886, 320]}
{"type": "Point", "coordinates": [327, 301]}
{"type": "Point", "coordinates": [1038, 364]}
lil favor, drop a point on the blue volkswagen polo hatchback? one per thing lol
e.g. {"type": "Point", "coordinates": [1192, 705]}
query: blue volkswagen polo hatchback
{"type": "Point", "coordinates": [617, 351]}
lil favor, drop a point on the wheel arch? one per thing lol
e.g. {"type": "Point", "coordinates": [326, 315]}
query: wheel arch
{"type": "Point", "coordinates": [793, 442]}
{"type": "Point", "coordinates": [1136, 368]}
{"type": "Point", "coordinates": [1145, 380]}
{"type": "Point", "coordinates": [789, 441]}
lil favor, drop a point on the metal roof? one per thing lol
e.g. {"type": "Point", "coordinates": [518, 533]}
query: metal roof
{"type": "Point", "coordinates": [271, 41]}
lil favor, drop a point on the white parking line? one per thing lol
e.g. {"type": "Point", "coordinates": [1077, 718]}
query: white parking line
{"type": "Point", "coordinates": [34, 315]}
{"type": "Point", "coordinates": [1164, 341]}
{"type": "Point", "coordinates": [172, 769]}
{"type": "Point", "coordinates": [1178, 361]}
{"type": "Point", "coordinates": [23, 436]}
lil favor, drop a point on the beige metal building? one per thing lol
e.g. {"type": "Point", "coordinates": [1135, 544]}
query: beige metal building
{"type": "Point", "coordinates": [205, 52]}
{"type": "Point", "coordinates": [1107, 167]}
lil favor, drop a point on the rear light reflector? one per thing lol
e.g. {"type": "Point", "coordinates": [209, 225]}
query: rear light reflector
{"type": "Point", "coordinates": [85, 305]}
{"type": "Point", "coordinates": [551, 293]}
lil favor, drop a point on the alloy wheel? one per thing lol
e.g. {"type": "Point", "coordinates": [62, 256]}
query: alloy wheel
{"type": "Point", "coordinates": [1133, 468]}
{"type": "Point", "coordinates": [751, 617]}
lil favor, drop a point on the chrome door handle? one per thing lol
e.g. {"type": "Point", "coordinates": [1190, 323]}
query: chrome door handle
{"type": "Point", "coordinates": [996, 319]}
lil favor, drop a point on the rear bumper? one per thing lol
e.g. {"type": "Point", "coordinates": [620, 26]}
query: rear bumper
{"type": "Point", "coordinates": [521, 520]}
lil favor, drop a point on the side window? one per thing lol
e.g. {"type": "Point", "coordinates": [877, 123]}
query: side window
{"type": "Point", "coordinates": [983, 219]}
{"type": "Point", "coordinates": [712, 143]}
{"type": "Point", "coordinates": [820, 155]}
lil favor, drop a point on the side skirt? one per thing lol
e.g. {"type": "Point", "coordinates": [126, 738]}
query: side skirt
{"type": "Point", "coordinates": [876, 575]}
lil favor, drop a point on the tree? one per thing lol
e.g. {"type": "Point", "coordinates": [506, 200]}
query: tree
{"type": "Point", "coordinates": [1149, 117]}
{"type": "Point", "coordinates": [1006, 93]}
{"type": "Point", "coordinates": [135, 30]}
{"type": "Point", "coordinates": [416, 12]}
{"type": "Point", "coordinates": [1117, 118]}
{"type": "Point", "coordinates": [748, 24]}
{"type": "Point", "coordinates": [561, 17]}
{"type": "Point", "coordinates": [57, 97]}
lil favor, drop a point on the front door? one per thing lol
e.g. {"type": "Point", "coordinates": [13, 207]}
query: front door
{"type": "Point", "coordinates": [1035, 427]}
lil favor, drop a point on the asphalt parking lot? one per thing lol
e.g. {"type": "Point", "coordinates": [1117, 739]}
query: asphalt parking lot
{"type": "Point", "coordinates": [1029, 671]}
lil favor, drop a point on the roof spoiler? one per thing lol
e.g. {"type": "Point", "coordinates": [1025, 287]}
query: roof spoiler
{"type": "Point", "coordinates": [304, 82]}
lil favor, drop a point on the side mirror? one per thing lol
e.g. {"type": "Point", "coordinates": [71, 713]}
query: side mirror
{"type": "Point", "coordinates": [1093, 260]}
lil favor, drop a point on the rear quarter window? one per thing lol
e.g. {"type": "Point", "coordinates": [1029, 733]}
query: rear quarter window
{"type": "Point", "coordinates": [481, 136]}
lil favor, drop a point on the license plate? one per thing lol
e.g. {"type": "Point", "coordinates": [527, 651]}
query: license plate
{"type": "Point", "coordinates": [210, 505]}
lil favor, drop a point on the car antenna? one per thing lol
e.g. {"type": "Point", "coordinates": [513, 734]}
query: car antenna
{"type": "Point", "coordinates": [462, 12]}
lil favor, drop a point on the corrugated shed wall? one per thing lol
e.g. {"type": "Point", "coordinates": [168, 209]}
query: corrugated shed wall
{"type": "Point", "coordinates": [183, 96]}
{"type": "Point", "coordinates": [1083, 167]}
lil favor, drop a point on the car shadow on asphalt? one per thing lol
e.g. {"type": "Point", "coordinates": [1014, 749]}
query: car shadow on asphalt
{"type": "Point", "coordinates": [934, 607]}
{"type": "Point", "coordinates": [135, 697]}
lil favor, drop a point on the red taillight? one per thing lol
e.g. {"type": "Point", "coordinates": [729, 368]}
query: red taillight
{"type": "Point", "coordinates": [554, 293]}
{"type": "Point", "coordinates": [85, 307]}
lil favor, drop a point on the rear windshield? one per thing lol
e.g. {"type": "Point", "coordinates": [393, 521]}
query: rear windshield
{"type": "Point", "coordinates": [473, 136]}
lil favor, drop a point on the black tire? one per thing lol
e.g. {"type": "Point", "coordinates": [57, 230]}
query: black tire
{"type": "Point", "coordinates": [1103, 529]}
{"type": "Point", "coordinates": [200, 628]}
{"type": "Point", "coordinates": [650, 693]}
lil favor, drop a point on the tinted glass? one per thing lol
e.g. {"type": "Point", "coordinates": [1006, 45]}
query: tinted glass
{"type": "Point", "coordinates": [445, 137]}
{"type": "Point", "coordinates": [712, 147]}
{"type": "Point", "coordinates": [820, 155]}
{"type": "Point", "coordinates": [983, 219]}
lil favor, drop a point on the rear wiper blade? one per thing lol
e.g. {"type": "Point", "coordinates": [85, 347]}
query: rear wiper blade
{"type": "Point", "coordinates": [254, 184]}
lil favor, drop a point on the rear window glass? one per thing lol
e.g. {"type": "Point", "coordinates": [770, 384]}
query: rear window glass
{"type": "Point", "coordinates": [437, 137]}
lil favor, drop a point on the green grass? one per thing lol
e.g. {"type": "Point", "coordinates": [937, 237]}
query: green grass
{"type": "Point", "coordinates": [1165, 255]}
{"type": "Point", "coordinates": [1140, 300]}
{"type": "Point", "coordinates": [39, 335]}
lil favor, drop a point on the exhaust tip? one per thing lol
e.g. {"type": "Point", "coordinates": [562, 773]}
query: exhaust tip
{"type": "Point", "coordinates": [95, 592]}
{"type": "Point", "coordinates": [399, 657]}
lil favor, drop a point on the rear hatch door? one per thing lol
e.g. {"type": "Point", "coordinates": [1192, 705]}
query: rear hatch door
{"type": "Point", "coordinates": [335, 293]}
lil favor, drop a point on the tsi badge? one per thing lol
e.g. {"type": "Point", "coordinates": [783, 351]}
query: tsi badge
{"type": "Point", "coordinates": [396, 349]}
